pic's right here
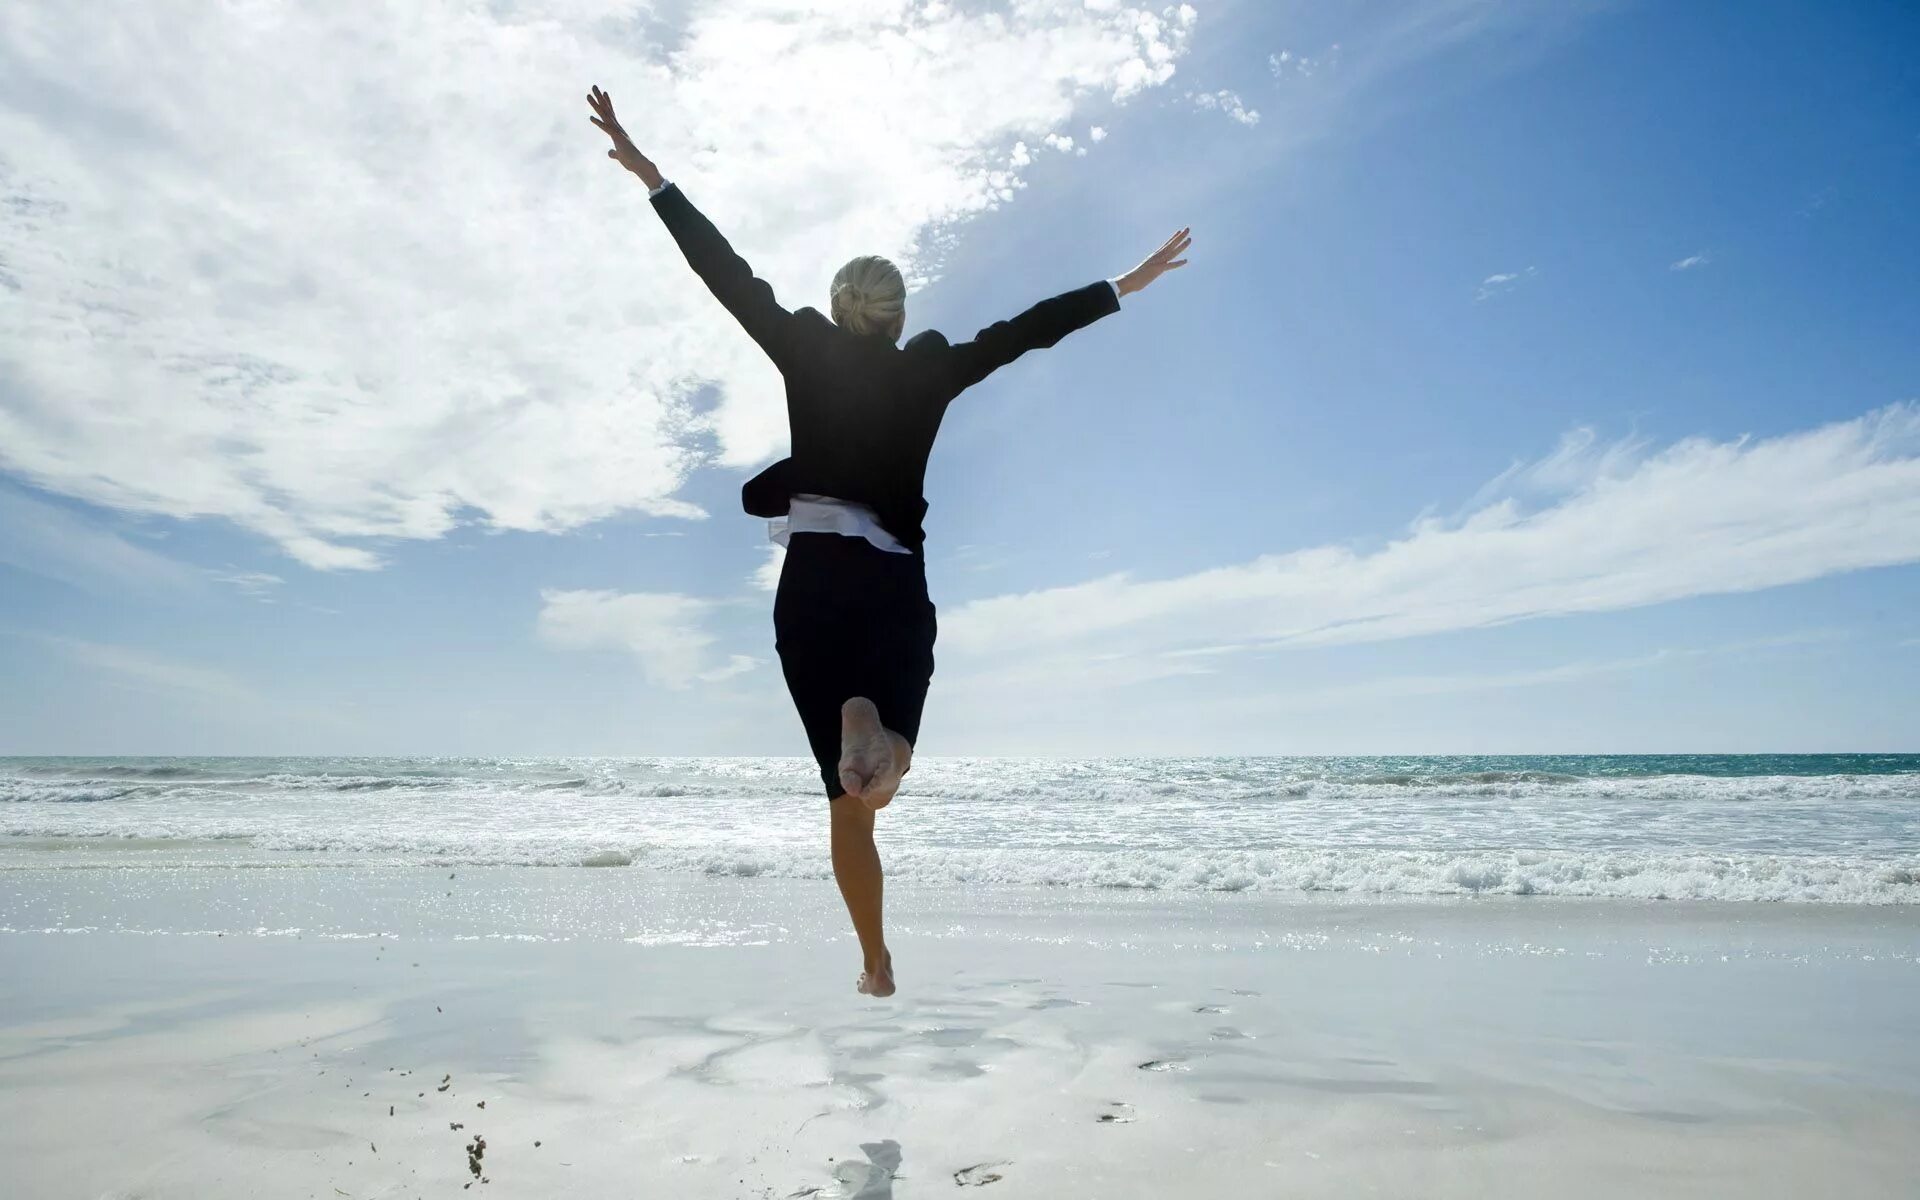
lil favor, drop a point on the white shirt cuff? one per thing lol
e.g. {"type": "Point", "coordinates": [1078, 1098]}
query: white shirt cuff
{"type": "Point", "coordinates": [664, 185]}
{"type": "Point", "coordinates": [1115, 285]}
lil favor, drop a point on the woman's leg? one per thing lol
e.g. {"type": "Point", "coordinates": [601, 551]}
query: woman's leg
{"type": "Point", "coordinates": [856, 867]}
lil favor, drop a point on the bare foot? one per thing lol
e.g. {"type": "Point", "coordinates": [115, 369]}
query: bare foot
{"type": "Point", "coordinates": [877, 981]}
{"type": "Point", "coordinates": [869, 757]}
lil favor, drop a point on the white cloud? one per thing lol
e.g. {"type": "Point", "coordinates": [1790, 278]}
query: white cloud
{"type": "Point", "coordinates": [1690, 262]}
{"type": "Point", "coordinates": [663, 630]}
{"type": "Point", "coordinates": [1506, 281]}
{"type": "Point", "coordinates": [348, 273]}
{"type": "Point", "coordinates": [1226, 102]}
{"type": "Point", "coordinates": [1579, 461]}
{"type": "Point", "coordinates": [767, 577]}
{"type": "Point", "coordinates": [1096, 134]}
{"type": "Point", "coordinates": [1634, 528]}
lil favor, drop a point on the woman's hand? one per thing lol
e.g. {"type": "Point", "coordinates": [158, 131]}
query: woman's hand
{"type": "Point", "coordinates": [1165, 259]}
{"type": "Point", "coordinates": [624, 151]}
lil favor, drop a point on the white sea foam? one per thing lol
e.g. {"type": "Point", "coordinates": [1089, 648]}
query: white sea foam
{"type": "Point", "coordinates": [1596, 827]}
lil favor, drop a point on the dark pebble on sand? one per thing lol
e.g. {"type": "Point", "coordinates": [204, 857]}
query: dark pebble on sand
{"type": "Point", "coordinates": [456, 1126]}
{"type": "Point", "coordinates": [482, 1104]}
{"type": "Point", "coordinates": [536, 1145]}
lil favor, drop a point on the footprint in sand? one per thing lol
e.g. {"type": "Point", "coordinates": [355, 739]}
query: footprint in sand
{"type": "Point", "coordinates": [978, 1175]}
{"type": "Point", "coordinates": [1122, 1113]}
{"type": "Point", "coordinates": [1038, 1004]}
{"type": "Point", "coordinates": [1227, 1033]}
{"type": "Point", "coordinates": [1164, 1064]}
{"type": "Point", "coordinates": [1212, 1008]}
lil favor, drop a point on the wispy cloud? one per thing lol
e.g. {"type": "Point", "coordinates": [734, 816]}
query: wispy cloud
{"type": "Point", "coordinates": [1505, 281]}
{"type": "Point", "coordinates": [345, 273]}
{"type": "Point", "coordinates": [1690, 262]}
{"type": "Point", "coordinates": [1288, 65]}
{"type": "Point", "coordinates": [1404, 686]}
{"type": "Point", "coordinates": [767, 578]}
{"type": "Point", "coordinates": [1343, 86]}
{"type": "Point", "coordinates": [152, 671]}
{"type": "Point", "coordinates": [1227, 102]}
{"type": "Point", "coordinates": [261, 585]}
{"type": "Point", "coordinates": [1699, 517]}
{"type": "Point", "coordinates": [665, 631]}
{"type": "Point", "coordinates": [53, 541]}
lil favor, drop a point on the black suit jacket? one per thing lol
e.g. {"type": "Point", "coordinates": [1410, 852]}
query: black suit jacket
{"type": "Point", "coordinates": [862, 411]}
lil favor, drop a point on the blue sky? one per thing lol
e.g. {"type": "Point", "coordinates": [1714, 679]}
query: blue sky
{"type": "Point", "coordinates": [1543, 380]}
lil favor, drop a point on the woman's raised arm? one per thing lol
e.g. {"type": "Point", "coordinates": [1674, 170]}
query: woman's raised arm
{"type": "Point", "coordinates": [726, 274]}
{"type": "Point", "coordinates": [1050, 320]}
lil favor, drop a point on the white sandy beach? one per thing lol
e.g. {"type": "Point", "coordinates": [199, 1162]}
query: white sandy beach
{"type": "Point", "coordinates": [245, 1033]}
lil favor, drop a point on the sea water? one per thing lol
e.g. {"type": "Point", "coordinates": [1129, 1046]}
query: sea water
{"type": "Point", "coordinates": [1799, 828]}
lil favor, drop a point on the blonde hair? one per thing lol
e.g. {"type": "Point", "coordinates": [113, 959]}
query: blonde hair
{"type": "Point", "coordinates": [868, 296]}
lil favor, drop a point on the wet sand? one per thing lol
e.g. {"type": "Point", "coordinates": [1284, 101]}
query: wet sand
{"type": "Point", "coordinates": [399, 1033]}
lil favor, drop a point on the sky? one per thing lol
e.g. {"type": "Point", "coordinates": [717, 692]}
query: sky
{"type": "Point", "coordinates": [1546, 376]}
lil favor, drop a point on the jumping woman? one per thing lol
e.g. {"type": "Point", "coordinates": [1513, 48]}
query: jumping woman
{"type": "Point", "coordinates": [852, 622]}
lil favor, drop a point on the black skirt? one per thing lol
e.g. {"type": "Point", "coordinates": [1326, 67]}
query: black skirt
{"type": "Point", "coordinates": [851, 619]}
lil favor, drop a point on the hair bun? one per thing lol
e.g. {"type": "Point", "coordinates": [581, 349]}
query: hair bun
{"type": "Point", "coordinates": [868, 295]}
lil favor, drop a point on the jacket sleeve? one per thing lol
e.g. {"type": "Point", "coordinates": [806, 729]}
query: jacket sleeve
{"type": "Point", "coordinates": [726, 274]}
{"type": "Point", "coordinates": [1035, 329]}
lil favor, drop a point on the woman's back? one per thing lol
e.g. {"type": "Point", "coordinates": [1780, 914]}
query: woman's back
{"type": "Point", "coordinates": [862, 412]}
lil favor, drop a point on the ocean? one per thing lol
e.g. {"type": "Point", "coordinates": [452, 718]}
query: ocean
{"type": "Point", "coordinates": [1788, 828]}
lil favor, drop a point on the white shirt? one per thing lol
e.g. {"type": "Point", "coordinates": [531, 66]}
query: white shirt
{"type": "Point", "coordinates": [808, 513]}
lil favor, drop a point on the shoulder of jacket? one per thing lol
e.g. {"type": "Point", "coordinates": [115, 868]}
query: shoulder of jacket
{"type": "Point", "coordinates": [926, 339]}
